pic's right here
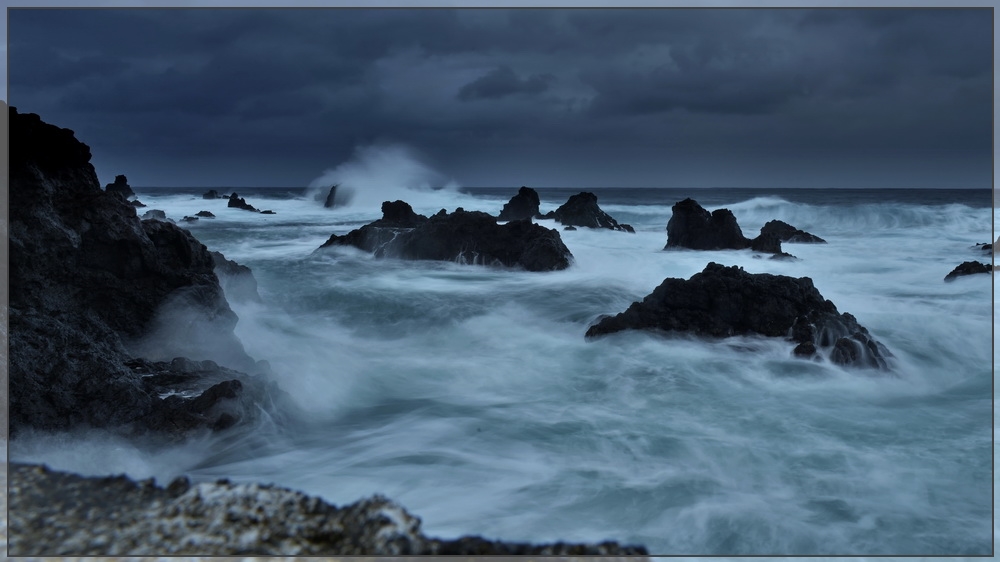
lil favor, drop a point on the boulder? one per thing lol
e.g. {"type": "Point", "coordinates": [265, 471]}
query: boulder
{"type": "Point", "coordinates": [464, 236]}
{"type": "Point", "coordinates": [87, 279]}
{"type": "Point", "coordinates": [692, 226]}
{"type": "Point", "coordinates": [205, 214]}
{"type": "Point", "coordinates": [211, 194]}
{"type": "Point", "coordinates": [769, 243]}
{"type": "Point", "coordinates": [238, 202]}
{"type": "Point", "coordinates": [55, 513]}
{"type": "Point", "coordinates": [582, 210]}
{"type": "Point", "coordinates": [120, 187]}
{"type": "Point", "coordinates": [522, 206]}
{"type": "Point", "coordinates": [969, 268]}
{"type": "Point", "coordinates": [788, 233]}
{"type": "Point", "coordinates": [724, 301]}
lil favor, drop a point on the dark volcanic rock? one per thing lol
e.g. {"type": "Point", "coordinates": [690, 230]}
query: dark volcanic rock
{"type": "Point", "coordinates": [331, 198]}
{"type": "Point", "coordinates": [205, 214]}
{"type": "Point", "coordinates": [969, 268]}
{"type": "Point", "coordinates": [770, 244]}
{"type": "Point", "coordinates": [522, 206]}
{"type": "Point", "coordinates": [120, 187]}
{"type": "Point", "coordinates": [268, 212]}
{"type": "Point", "coordinates": [788, 233]}
{"type": "Point", "coordinates": [136, 203]}
{"type": "Point", "coordinates": [692, 226]}
{"type": "Point", "coordinates": [238, 202]}
{"type": "Point", "coordinates": [87, 278]}
{"type": "Point", "coordinates": [727, 301]}
{"type": "Point", "coordinates": [61, 514]}
{"type": "Point", "coordinates": [237, 280]}
{"type": "Point", "coordinates": [464, 236]}
{"type": "Point", "coordinates": [582, 210]}
{"type": "Point", "coordinates": [212, 194]}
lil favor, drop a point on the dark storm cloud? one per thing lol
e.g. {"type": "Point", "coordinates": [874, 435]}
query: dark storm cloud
{"type": "Point", "coordinates": [291, 92]}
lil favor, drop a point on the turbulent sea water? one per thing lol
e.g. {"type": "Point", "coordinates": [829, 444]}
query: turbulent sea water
{"type": "Point", "coordinates": [469, 395]}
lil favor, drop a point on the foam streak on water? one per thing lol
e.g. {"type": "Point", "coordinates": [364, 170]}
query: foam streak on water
{"type": "Point", "coordinates": [469, 394]}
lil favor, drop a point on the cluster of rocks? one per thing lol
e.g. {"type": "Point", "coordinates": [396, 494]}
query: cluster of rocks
{"type": "Point", "coordinates": [692, 226]}
{"type": "Point", "coordinates": [579, 210]}
{"type": "Point", "coordinates": [724, 301]}
{"type": "Point", "coordinates": [471, 237]}
{"type": "Point", "coordinates": [59, 514]}
{"type": "Point", "coordinates": [234, 202]}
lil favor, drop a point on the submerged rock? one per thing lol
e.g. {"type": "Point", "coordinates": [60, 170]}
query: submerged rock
{"type": "Point", "coordinates": [120, 187]}
{"type": "Point", "coordinates": [87, 278]}
{"type": "Point", "coordinates": [788, 233]}
{"type": "Point", "coordinates": [237, 202]}
{"type": "Point", "coordinates": [582, 210]}
{"type": "Point", "coordinates": [724, 301]}
{"type": "Point", "coordinates": [62, 514]}
{"type": "Point", "coordinates": [522, 206]}
{"type": "Point", "coordinates": [969, 268]}
{"type": "Point", "coordinates": [692, 226]}
{"type": "Point", "coordinates": [465, 236]}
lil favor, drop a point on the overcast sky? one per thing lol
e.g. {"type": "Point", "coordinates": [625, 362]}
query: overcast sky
{"type": "Point", "coordinates": [556, 97]}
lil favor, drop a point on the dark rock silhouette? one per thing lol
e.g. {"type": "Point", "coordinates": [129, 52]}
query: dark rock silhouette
{"type": "Point", "coordinates": [136, 203]}
{"type": "Point", "coordinates": [237, 280]}
{"type": "Point", "coordinates": [692, 226]}
{"type": "Point", "coordinates": [212, 194]}
{"type": "Point", "coordinates": [582, 210]}
{"type": "Point", "coordinates": [268, 212]}
{"type": "Point", "coordinates": [56, 513]}
{"type": "Point", "coordinates": [154, 214]}
{"type": "Point", "coordinates": [464, 236]}
{"type": "Point", "coordinates": [788, 233]}
{"type": "Point", "coordinates": [969, 268]}
{"type": "Point", "coordinates": [770, 244]}
{"type": "Point", "coordinates": [189, 219]}
{"type": "Point", "coordinates": [205, 214]}
{"type": "Point", "coordinates": [331, 198]}
{"type": "Point", "coordinates": [522, 206]}
{"type": "Point", "coordinates": [120, 187]}
{"type": "Point", "coordinates": [87, 277]}
{"type": "Point", "coordinates": [238, 202]}
{"type": "Point", "coordinates": [727, 301]}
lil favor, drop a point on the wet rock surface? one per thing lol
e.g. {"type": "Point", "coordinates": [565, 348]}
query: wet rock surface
{"type": "Point", "coordinates": [469, 237]}
{"type": "Point", "coordinates": [522, 206]}
{"type": "Point", "coordinates": [727, 301]}
{"type": "Point", "coordinates": [969, 268]}
{"type": "Point", "coordinates": [61, 514]}
{"type": "Point", "coordinates": [582, 210]}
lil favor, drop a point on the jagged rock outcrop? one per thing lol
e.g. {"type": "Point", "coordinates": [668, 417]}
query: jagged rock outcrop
{"type": "Point", "coordinates": [582, 210]}
{"type": "Point", "coordinates": [211, 194]}
{"type": "Point", "coordinates": [137, 204]}
{"type": "Point", "coordinates": [788, 233]}
{"type": "Point", "coordinates": [238, 202]}
{"type": "Point", "coordinates": [727, 301]}
{"type": "Point", "coordinates": [331, 198]}
{"type": "Point", "coordinates": [522, 206]}
{"type": "Point", "coordinates": [121, 187]}
{"type": "Point", "coordinates": [237, 280]}
{"type": "Point", "coordinates": [87, 279]}
{"type": "Point", "coordinates": [464, 236]}
{"type": "Point", "coordinates": [969, 268]}
{"type": "Point", "coordinates": [56, 513]}
{"type": "Point", "coordinates": [692, 226]}
{"type": "Point", "coordinates": [769, 243]}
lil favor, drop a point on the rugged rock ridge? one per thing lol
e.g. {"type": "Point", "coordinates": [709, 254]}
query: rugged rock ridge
{"type": "Point", "coordinates": [582, 210]}
{"type": "Point", "coordinates": [522, 206]}
{"type": "Point", "coordinates": [727, 301]}
{"type": "Point", "coordinates": [87, 277]}
{"type": "Point", "coordinates": [465, 236]}
{"type": "Point", "coordinates": [59, 514]}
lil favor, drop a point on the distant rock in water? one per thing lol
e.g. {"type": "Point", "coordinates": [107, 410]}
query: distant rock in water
{"type": "Point", "coordinates": [189, 219]}
{"type": "Point", "coordinates": [56, 513]}
{"type": "Point", "coordinates": [788, 233]}
{"type": "Point", "coordinates": [724, 301]}
{"type": "Point", "coordinates": [469, 237]}
{"type": "Point", "coordinates": [268, 212]}
{"type": "Point", "coordinates": [331, 198]}
{"type": "Point", "coordinates": [237, 280]}
{"type": "Point", "coordinates": [769, 243]}
{"type": "Point", "coordinates": [154, 214]}
{"type": "Point", "coordinates": [120, 187]}
{"type": "Point", "coordinates": [211, 194]}
{"type": "Point", "coordinates": [582, 210]}
{"type": "Point", "coordinates": [88, 278]}
{"type": "Point", "coordinates": [238, 202]}
{"type": "Point", "coordinates": [205, 214]}
{"type": "Point", "coordinates": [692, 226]}
{"type": "Point", "coordinates": [522, 206]}
{"type": "Point", "coordinates": [969, 268]}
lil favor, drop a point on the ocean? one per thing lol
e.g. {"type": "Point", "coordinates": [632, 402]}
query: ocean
{"type": "Point", "coordinates": [469, 395]}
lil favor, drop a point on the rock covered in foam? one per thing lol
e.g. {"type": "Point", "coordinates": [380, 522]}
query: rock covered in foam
{"type": "Point", "coordinates": [727, 301]}
{"type": "Point", "coordinates": [60, 514]}
{"type": "Point", "coordinates": [470, 237]}
{"type": "Point", "coordinates": [582, 210]}
{"type": "Point", "coordinates": [788, 233]}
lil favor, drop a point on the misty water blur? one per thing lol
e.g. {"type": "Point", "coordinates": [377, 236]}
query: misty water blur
{"type": "Point", "coordinates": [469, 394]}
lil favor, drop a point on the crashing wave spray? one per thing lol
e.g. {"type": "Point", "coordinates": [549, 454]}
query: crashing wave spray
{"type": "Point", "coordinates": [377, 173]}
